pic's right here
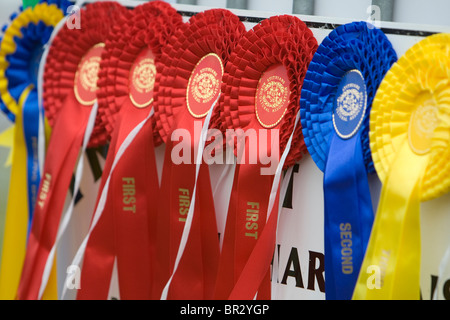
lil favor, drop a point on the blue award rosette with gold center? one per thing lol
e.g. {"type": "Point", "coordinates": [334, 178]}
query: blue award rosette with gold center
{"type": "Point", "coordinates": [337, 94]}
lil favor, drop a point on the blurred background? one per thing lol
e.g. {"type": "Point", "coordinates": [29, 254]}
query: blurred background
{"type": "Point", "coordinates": [435, 12]}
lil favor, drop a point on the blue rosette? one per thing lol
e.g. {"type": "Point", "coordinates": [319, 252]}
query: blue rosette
{"type": "Point", "coordinates": [21, 48]}
{"type": "Point", "coordinates": [338, 91]}
{"type": "Point", "coordinates": [61, 4]}
{"type": "Point", "coordinates": [357, 46]}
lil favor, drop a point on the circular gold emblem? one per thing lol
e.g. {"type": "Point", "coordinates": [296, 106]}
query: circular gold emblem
{"type": "Point", "coordinates": [205, 85]}
{"type": "Point", "coordinates": [144, 75]}
{"type": "Point", "coordinates": [85, 82]}
{"type": "Point", "coordinates": [273, 94]}
{"type": "Point", "coordinates": [89, 73]}
{"type": "Point", "coordinates": [424, 120]}
{"type": "Point", "coordinates": [350, 103]}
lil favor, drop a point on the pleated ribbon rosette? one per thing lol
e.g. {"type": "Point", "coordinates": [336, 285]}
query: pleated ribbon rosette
{"type": "Point", "coordinates": [409, 136]}
{"type": "Point", "coordinates": [70, 87]}
{"type": "Point", "coordinates": [261, 93]}
{"type": "Point", "coordinates": [21, 48]}
{"type": "Point", "coordinates": [337, 96]}
{"type": "Point", "coordinates": [126, 228]}
{"type": "Point", "coordinates": [188, 84]}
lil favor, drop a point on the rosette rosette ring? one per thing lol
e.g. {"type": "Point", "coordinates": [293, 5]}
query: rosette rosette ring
{"type": "Point", "coordinates": [260, 103]}
{"type": "Point", "coordinates": [21, 48]}
{"type": "Point", "coordinates": [126, 82]}
{"type": "Point", "coordinates": [409, 137]}
{"type": "Point", "coordinates": [337, 96]}
{"type": "Point", "coordinates": [188, 84]}
{"type": "Point", "coordinates": [70, 107]}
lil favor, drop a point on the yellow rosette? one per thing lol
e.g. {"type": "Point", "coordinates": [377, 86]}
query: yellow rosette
{"type": "Point", "coordinates": [409, 138]}
{"type": "Point", "coordinates": [22, 43]}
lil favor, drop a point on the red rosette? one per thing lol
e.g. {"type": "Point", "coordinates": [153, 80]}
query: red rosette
{"type": "Point", "coordinates": [70, 87]}
{"type": "Point", "coordinates": [282, 40]}
{"type": "Point", "coordinates": [213, 31]}
{"type": "Point", "coordinates": [188, 82]}
{"type": "Point", "coordinates": [66, 52]}
{"type": "Point", "coordinates": [151, 26]}
{"type": "Point", "coordinates": [261, 90]}
{"type": "Point", "coordinates": [127, 74]}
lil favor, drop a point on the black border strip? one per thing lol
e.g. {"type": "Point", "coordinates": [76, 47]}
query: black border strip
{"type": "Point", "coordinates": [329, 26]}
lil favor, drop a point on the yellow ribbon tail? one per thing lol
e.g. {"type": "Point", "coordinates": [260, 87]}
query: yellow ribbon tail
{"type": "Point", "coordinates": [391, 267]}
{"type": "Point", "coordinates": [51, 290]}
{"type": "Point", "coordinates": [7, 141]}
{"type": "Point", "coordinates": [16, 221]}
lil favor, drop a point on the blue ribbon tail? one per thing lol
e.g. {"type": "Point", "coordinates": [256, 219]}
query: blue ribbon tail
{"type": "Point", "coordinates": [348, 216]}
{"type": "Point", "coordinates": [31, 132]}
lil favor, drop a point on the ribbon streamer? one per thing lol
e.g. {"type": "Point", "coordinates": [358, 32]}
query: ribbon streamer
{"type": "Point", "coordinates": [337, 95]}
{"type": "Point", "coordinates": [189, 77]}
{"type": "Point", "coordinates": [126, 79]}
{"type": "Point", "coordinates": [262, 87]}
{"type": "Point", "coordinates": [75, 53]}
{"type": "Point", "coordinates": [21, 48]}
{"type": "Point", "coordinates": [409, 136]}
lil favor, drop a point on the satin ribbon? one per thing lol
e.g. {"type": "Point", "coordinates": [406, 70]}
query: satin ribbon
{"type": "Point", "coordinates": [279, 44]}
{"type": "Point", "coordinates": [128, 217]}
{"type": "Point", "coordinates": [21, 48]}
{"type": "Point", "coordinates": [209, 37]}
{"type": "Point", "coordinates": [68, 118]}
{"type": "Point", "coordinates": [409, 135]}
{"type": "Point", "coordinates": [339, 88]}
{"type": "Point", "coordinates": [105, 192]}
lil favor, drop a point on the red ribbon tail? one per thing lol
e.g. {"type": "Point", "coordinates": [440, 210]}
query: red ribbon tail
{"type": "Point", "coordinates": [62, 154]}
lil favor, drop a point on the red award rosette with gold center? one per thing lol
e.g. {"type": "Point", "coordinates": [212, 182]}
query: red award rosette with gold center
{"type": "Point", "coordinates": [262, 84]}
{"type": "Point", "coordinates": [127, 224]}
{"type": "Point", "coordinates": [70, 86]}
{"type": "Point", "coordinates": [188, 85]}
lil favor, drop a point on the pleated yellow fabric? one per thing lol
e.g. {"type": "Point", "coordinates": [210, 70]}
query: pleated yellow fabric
{"type": "Point", "coordinates": [409, 138]}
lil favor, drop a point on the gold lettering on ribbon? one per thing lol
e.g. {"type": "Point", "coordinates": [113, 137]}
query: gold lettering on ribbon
{"type": "Point", "coordinates": [44, 190]}
{"type": "Point", "coordinates": [128, 194]}
{"type": "Point", "coordinates": [184, 204]}
{"type": "Point", "coordinates": [252, 217]}
{"type": "Point", "coordinates": [346, 248]}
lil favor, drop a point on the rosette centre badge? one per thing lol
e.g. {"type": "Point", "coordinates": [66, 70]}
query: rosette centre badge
{"type": "Point", "coordinates": [350, 104]}
{"type": "Point", "coordinates": [87, 74]}
{"type": "Point", "coordinates": [142, 79]}
{"type": "Point", "coordinates": [204, 85]}
{"type": "Point", "coordinates": [272, 96]}
{"type": "Point", "coordinates": [424, 120]}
